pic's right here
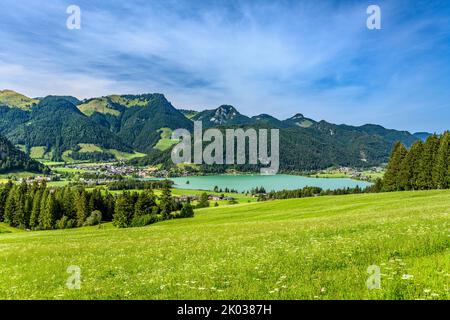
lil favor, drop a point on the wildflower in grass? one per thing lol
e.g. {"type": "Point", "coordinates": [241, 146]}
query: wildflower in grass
{"type": "Point", "coordinates": [407, 276]}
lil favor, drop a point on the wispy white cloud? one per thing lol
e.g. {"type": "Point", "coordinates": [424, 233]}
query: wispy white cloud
{"type": "Point", "coordinates": [272, 57]}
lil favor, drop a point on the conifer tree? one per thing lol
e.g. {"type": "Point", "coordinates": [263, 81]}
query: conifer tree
{"type": "Point", "coordinates": [442, 161]}
{"type": "Point", "coordinates": [18, 216]}
{"type": "Point", "coordinates": [68, 201]}
{"type": "Point", "coordinates": [124, 210]}
{"type": "Point", "coordinates": [409, 169]}
{"type": "Point", "coordinates": [109, 205]}
{"type": "Point", "coordinates": [145, 203]}
{"type": "Point", "coordinates": [28, 209]}
{"type": "Point", "coordinates": [391, 180]}
{"type": "Point", "coordinates": [4, 192]}
{"type": "Point", "coordinates": [42, 207]}
{"type": "Point", "coordinates": [426, 163]}
{"type": "Point", "coordinates": [81, 207]}
{"type": "Point", "coordinates": [187, 211]}
{"type": "Point", "coordinates": [36, 209]}
{"type": "Point", "coordinates": [48, 216]}
{"type": "Point", "coordinates": [166, 202]}
{"type": "Point", "coordinates": [59, 208]}
{"type": "Point", "coordinates": [11, 205]}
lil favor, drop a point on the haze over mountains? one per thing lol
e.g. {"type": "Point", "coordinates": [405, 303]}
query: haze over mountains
{"type": "Point", "coordinates": [59, 126]}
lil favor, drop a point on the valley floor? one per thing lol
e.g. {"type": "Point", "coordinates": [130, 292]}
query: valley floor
{"type": "Point", "coordinates": [311, 248]}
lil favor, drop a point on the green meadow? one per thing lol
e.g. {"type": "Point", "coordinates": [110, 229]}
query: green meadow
{"type": "Point", "coordinates": [165, 142]}
{"type": "Point", "coordinates": [310, 248]}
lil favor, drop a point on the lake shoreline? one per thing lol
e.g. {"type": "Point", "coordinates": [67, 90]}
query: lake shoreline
{"type": "Point", "coordinates": [279, 182]}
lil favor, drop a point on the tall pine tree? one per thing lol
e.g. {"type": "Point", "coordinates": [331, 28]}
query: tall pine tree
{"type": "Point", "coordinates": [409, 169]}
{"type": "Point", "coordinates": [441, 166]}
{"type": "Point", "coordinates": [36, 209]}
{"type": "Point", "coordinates": [166, 202]}
{"type": "Point", "coordinates": [391, 181]}
{"type": "Point", "coordinates": [426, 163]}
{"type": "Point", "coordinates": [81, 207]}
{"type": "Point", "coordinates": [145, 203]}
{"type": "Point", "coordinates": [48, 216]}
{"type": "Point", "coordinates": [4, 192]}
{"type": "Point", "coordinates": [124, 210]}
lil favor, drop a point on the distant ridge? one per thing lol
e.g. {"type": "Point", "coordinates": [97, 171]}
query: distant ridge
{"type": "Point", "coordinates": [13, 99]}
{"type": "Point", "coordinates": [141, 123]}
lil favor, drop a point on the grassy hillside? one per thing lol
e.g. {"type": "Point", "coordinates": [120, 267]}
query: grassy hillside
{"type": "Point", "coordinates": [90, 149]}
{"type": "Point", "coordinates": [136, 119]}
{"type": "Point", "coordinates": [97, 105]}
{"type": "Point", "coordinates": [16, 100]}
{"type": "Point", "coordinates": [4, 228]}
{"type": "Point", "coordinates": [166, 139]}
{"type": "Point", "coordinates": [312, 248]}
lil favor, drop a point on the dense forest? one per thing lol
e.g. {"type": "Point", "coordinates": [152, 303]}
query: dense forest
{"type": "Point", "coordinates": [320, 146]}
{"type": "Point", "coordinates": [426, 165]}
{"type": "Point", "coordinates": [133, 184]}
{"type": "Point", "coordinates": [56, 124]}
{"type": "Point", "coordinates": [308, 191]}
{"type": "Point", "coordinates": [12, 159]}
{"type": "Point", "coordinates": [38, 207]}
{"type": "Point", "coordinates": [133, 123]}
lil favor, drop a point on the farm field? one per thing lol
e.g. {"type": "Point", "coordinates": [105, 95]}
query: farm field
{"type": "Point", "coordinates": [310, 248]}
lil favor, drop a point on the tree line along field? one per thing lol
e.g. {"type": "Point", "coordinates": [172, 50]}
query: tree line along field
{"type": "Point", "coordinates": [310, 248]}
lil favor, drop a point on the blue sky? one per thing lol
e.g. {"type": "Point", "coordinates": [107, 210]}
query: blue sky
{"type": "Point", "coordinates": [277, 57]}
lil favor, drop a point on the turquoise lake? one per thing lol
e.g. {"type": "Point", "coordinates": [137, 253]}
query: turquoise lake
{"type": "Point", "coordinates": [276, 182]}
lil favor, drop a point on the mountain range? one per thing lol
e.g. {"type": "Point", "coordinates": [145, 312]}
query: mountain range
{"type": "Point", "coordinates": [56, 127]}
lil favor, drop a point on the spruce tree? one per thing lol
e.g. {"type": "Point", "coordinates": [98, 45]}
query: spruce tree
{"type": "Point", "coordinates": [166, 202]}
{"type": "Point", "coordinates": [18, 216]}
{"type": "Point", "coordinates": [48, 216]}
{"type": "Point", "coordinates": [442, 161]}
{"type": "Point", "coordinates": [426, 163]}
{"type": "Point", "coordinates": [109, 202]}
{"type": "Point", "coordinates": [145, 203]}
{"type": "Point", "coordinates": [81, 207]}
{"type": "Point", "coordinates": [28, 209]}
{"type": "Point", "coordinates": [391, 180]}
{"type": "Point", "coordinates": [42, 208]}
{"type": "Point", "coordinates": [187, 211]}
{"type": "Point", "coordinates": [124, 210]}
{"type": "Point", "coordinates": [4, 192]}
{"type": "Point", "coordinates": [68, 200]}
{"type": "Point", "coordinates": [59, 207]}
{"type": "Point", "coordinates": [409, 169]}
{"type": "Point", "coordinates": [11, 205]}
{"type": "Point", "coordinates": [34, 218]}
